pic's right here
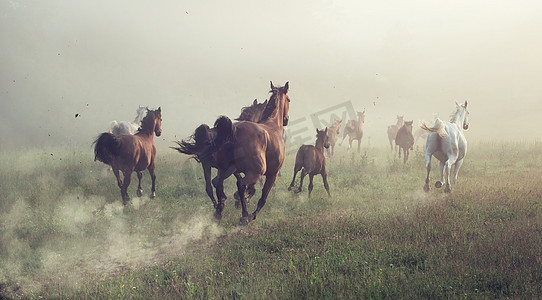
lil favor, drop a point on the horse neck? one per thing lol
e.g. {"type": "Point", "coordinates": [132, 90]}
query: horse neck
{"type": "Point", "coordinates": [360, 123]}
{"type": "Point", "coordinates": [276, 119]}
{"type": "Point", "coordinates": [399, 123]}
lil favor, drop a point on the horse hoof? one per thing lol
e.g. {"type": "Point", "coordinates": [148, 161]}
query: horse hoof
{"type": "Point", "coordinates": [139, 192]}
{"type": "Point", "coordinates": [438, 184]}
{"type": "Point", "coordinates": [152, 195]}
{"type": "Point", "coordinates": [426, 188]}
{"type": "Point", "coordinates": [290, 187]}
{"type": "Point", "coordinates": [244, 221]}
{"type": "Point", "coordinates": [218, 216]}
{"type": "Point", "coordinates": [447, 190]}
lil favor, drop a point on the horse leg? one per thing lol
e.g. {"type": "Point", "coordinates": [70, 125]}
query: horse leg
{"type": "Point", "coordinates": [350, 139]}
{"type": "Point", "coordinates": [303, 174]}
{"type": "Point", "coordinates": [399, 153]}
{"type": "Point", "coordinates": [426, 187]}
{"type": "Point", "coordinates": [269, 182]}
{"type": "Point", "coordinates": [218, 182]}
{"type": "Point", "coordinates": [139, 189]}
{"type": "Point", "coordinates": [359, 145]}
{"type": "Point", "coordinates": [124, 189]}
{"type": "Point", "coordinates": [326, 185]}
{"type": "Point", "coordinates": [311, 186]}
{"type": "Point", "coordinates": [250, 179]}
{"type": "Point", "coordinates": [208, 187]}
{"type": "Point", "coordinates": [447, 171]}
{"type": "Point", "coordinates": [119, 181]}
{"type": "Point", "coordinates": [153, 180]}
{"type": "Point", "coordinates": [439, 183]}
{"type": "Point", "coordinates": [296, 169]}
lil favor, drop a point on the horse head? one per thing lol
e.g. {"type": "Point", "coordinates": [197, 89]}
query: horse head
{"type": "Point", "coordinates": [153, 121]}
{"type": "Point", "coordinates": [464, 114]}
{"type": "Point", "coordinates": [282, 100]}
{"type": "Point", "coordinates": [408, 125]}
{"type": "Point", "coordinates": [322, 138]}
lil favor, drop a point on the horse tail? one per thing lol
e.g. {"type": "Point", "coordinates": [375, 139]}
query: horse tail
{"type": "Point", "coordinates": [196, 143]}
{"type": "Point", "coordinates": [106, 147]}
{"type": "Point", "coordinates": [437, 127]}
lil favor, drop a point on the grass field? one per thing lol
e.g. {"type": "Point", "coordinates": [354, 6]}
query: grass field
{"type": "Point", "coordinates": [65, 234]}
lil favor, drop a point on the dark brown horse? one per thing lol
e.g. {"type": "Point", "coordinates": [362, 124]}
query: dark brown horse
{"type": "Point", "coordinates": [311, 159]}
{"type": "Point", "coordinates": [405, 139]}
{"type": "Point", "coordinates": [392, 131]}
{"type": "Point", "coordinates": [128, 153]}
{"type": "Point", "coordinates": [200, 144]}
{"type": "Point", "coordinates": [254, 149]}
{"type": "Point", "coordinates": [354, 130]}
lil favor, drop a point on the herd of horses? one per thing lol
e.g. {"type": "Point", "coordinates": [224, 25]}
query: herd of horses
{"type": "Point", "coordinates": [253, 147]}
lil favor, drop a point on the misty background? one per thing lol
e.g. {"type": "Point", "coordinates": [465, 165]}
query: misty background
{"type": "Point", "coordinates": [100, 60]}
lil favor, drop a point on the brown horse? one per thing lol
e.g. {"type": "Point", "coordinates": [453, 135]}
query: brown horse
{"type": "Point", "coordinates": [333, 135]}
{"type": "Point", "coordinates": [129, 153]}
{"type": "Point", "coordinates": [392, 130]}
{"type": "Point", "coordinates": [354, 130]}
{"type": "Point", "coordinates": [254, 149]}
{"type": "Point", "coordinates": [405, 139]}
{"type": "Point", "coordinates": [311, 159]}
{"type": "Point", "coordinates": [201, 142]}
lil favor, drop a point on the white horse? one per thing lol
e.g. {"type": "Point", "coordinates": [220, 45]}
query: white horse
{"type": "Point", "coordinates": [448, 144]}
{"type": "Point", "coordinates": [125, 127]}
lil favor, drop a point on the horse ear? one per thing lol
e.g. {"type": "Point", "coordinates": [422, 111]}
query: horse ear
{"type": "Point", "coordinates": [465, 103]}
{"type": "Point", "coordinates": [325, 130]}
{"type": "Point", "coordinates": [265, 102]}
{"type": "Point", "coordinates": [286, 87]}
{"type": "Point", "coordinates": [159, 109]}
{"type": "Point", "coordinates": [255, 102]}
{"type": "Point", "coordinates": [317, 131]}
{"type": "Point", "coordinates": [272, 86]}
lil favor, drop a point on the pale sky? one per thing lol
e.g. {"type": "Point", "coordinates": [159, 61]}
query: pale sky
{"type": "Point", "coordinates": [201, 59]}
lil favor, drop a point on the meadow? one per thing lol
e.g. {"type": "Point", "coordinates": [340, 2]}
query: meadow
{"type": "Point", "coordinates": [64, 233]}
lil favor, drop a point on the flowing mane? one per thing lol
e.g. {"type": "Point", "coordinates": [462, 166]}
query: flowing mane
{"type": "Point", "coordinates": [147, 124]}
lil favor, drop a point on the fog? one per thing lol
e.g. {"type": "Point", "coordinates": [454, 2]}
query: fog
{"type": "Point", "coordinates": [100, 60]}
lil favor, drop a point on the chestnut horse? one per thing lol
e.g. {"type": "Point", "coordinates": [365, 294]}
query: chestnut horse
{"type": "Point", "coordinates": [333, 135]}
{"type": "Point", "coordinates": [254, 149]}
{"type": "Point", "coordinates": [354, 130]}
{"type": "Point", "coordinates": [129, 153]}
{"type": "Point", "coordinates": [405, 139]}
{"type": "Point", "coordinates": [202, 141]}
{"type": "Point", "coordinates": [311, 159]}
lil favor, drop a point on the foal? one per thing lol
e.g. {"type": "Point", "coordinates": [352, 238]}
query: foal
{"type": "Point", "coordinates": [311, 159]}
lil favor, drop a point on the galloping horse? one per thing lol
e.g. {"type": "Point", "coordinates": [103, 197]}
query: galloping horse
{"type": "Point", "coordinates": [448, 144]}
{"type": "Point", "coordinates": [405, 139]}
{"type": "Point", "coordinates": [254, 149]}
{"type": "Point", "coordinates": [200, 143]}
{"type": "Point", "coordinates": [333, 134]}
{"type": "Point", "coordinates": [392, 131]}
{"type": "Point", "coordinates": [129, 153]}
{"type": "Point", "coordinates": [125, 127]}
{"type": "Point", "coordinates": [311, 159]}
{"type": "Point", "coordinates": [354, 130]}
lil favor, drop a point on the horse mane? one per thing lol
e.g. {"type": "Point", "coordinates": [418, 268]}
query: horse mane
{"type": "Point", "coordinates": [271, 107]}
{"type": "Point", "coordinates": [147, 123]}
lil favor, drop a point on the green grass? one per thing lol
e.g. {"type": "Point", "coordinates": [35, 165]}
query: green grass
{"type": "Point", "coordinates": [65, 234]}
